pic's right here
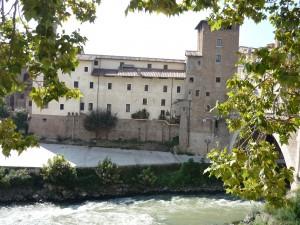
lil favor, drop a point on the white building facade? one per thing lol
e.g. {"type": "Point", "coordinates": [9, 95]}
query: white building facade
{"type": "Point", "coordinates": [122, 85]}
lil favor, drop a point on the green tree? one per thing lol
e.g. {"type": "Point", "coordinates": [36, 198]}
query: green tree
{"type": "Point", "coordinates": [21, 121]}
{"type": "Point", "coordinates": [98, 121]}
{"type": "Point", "coordinates": [264, 102]}
{"type": "Point", "coordinates": [32, 37]}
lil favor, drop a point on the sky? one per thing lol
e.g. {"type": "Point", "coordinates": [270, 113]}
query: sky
{"type": "Point", "coordinates": [153, 35]}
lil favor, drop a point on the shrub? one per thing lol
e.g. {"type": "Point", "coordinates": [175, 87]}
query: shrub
{"type": "Point", "coordinates": [289, 214]}
{"type": "Point", "coordinates": [4, 112]}
{"type": "Point", "coordinates": [59, 171]}
{"type": "Point", "coordinates": [141, 114]}
{"type": "Point", "coordinates": [14, 177]}
{"type": "Point", "coordinates": [100, 120]}
{"type": "Point", "coordinates": [147, 177]}
{"type": "Point", "coordinates": [21, 120]}
{"type": "Point", "coordinates": [108, 172]}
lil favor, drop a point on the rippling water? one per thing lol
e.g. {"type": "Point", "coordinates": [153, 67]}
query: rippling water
{"type": "Point", "coordinates": [155, 210]}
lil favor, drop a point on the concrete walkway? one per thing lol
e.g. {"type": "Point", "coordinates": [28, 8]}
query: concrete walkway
{"type": "Point", "coordinates": [82, 156]}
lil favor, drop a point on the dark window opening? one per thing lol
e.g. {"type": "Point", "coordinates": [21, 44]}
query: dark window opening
{"type": "Point", "coordinates": [165, 88]}
{"type": "Point", "coordinates": [127, 107]}
{"type": "Point", "coordinates": [191, 79]}
{"type": "Point", "coordinates": [216, 124]}
{"type": "Point", "coordinates": [61, 106]}
{"type": "Point", "coordinates": [90, 108]}
{"type": "Point", "coordinates": [30, 103]}
{"type": "Point", "coordinates": [96, 62]}
{"type": "Point", "coordinates": [26, 76]}
{"type": "Point", "coordinates": [163, 102]}
{"type": "Point", "coordinates": [218, 79]}
{"type": "Point", "coordinates": [144, 101]}
{"type": "Point", "coordinates": [86, 69]}
{"type": "Point", "coordinates": [76, 84]}
{"type": "Point", "coordinates": [121, 65]}
{"type": "Point", "coordinates": [146, 87]}
{"type": "Point", "coordinates": [108, 107]}
{"type": "Point", "coordinates": [149, 66]}
{"type": "Point", "coordinates": [91, 85]}
{"type": "Point", "coordinates": [165, 67]}
{"type": "Point", "coordinates": [197, 92]}
{"type": "Point", "coordinates": [218, 58]}
{"type": "Point", "coordinates": [178, 89]}
{"type": "Point", "coordinates": [207, 93]}
{"type": "Point", "coordinates": [109, 86]}
{"type": "Point", "coordinates": [82, 106]}
{"type": "Point", "coordinates": [128, 87]}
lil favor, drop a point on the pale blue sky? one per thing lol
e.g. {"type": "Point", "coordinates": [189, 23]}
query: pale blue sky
{"type": "Point", "coordinates": [140, 34]}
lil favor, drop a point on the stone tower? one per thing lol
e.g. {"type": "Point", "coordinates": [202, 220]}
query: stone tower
{"type": "Point", "coordinates": [207, 71]}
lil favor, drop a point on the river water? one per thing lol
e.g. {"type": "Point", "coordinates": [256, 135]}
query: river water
{"type": "Point", "coordinates": [152, 210]}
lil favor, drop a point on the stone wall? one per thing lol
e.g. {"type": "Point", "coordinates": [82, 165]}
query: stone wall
{"type": "Point", "coordinates": [72, 127]}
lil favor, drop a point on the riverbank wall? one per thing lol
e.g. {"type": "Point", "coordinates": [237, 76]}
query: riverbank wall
{"type": "Point", "coordinates": [28, 185]}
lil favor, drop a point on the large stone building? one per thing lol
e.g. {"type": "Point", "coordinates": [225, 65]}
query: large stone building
{"type": "Point", "coordinates": [164, 87]}
{"type": "Point", "coordinates": [123, 86]}
{"type": "Point", "coordinates": [207, 71]}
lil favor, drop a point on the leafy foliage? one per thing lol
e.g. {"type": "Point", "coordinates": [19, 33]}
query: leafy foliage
{"type": "Point", "coordinates": [14, 177]}
{"type": "Point", "coordinates": [59, 171]}
{"type": "Point", "coordinates": [31, 38]}
{"type": "Point", "coordinates": [147, 177]}
{"type": "Point", "coordinates": [141, 114]}
{"type": "Point", "coordinates": [263, 102]}
{"type": "Point", "coordinates": [20, 120]}
{"type": "Point", "coordinates": [4, 113]}
{"type": "Point", "coordinates": [253, 173]}
{"type": "Point", "coordinates": [99, 120]}
{"type": "Point", "coordinates": [108, 172]}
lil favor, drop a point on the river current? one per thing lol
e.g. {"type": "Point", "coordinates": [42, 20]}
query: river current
{"type": "Point", "coordinates": [152, 210]}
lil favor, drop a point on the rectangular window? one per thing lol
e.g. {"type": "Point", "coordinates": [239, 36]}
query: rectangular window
{"type": "Point", "coordinates": [91, 85]}
{"type": "Point", "coordinates": [108, 107]}
{"type": "Point", "coordinates": [76, 84]}
{"type": "Point", "coordinates": [149, 66]}
{"type": "Point", "coordinates": [218, 79]}
{"type": "Point", "coordinates": [165, 67]}
{"type": "Point", "coordinates": [163, 102]}
{"type": "Point", "coordinates": [218, 58]}
{"type": "Point", "coordinates": [96, 62]}
{"type": "Point", "coordinates": [165, 88]}
{"type": "Point", "coordinates": [146, 87]}
{"type": "Point", "coordinates": [121, 65]}
{"type": "Point", "coordinates": [219, 42]}
{"type": "Point", "coordinates": [61, 106]}
{"type": "Point", "coordinates": [127, 107]}
{"type": "Point", "coordinates": [207, 93]}
{"type": "Point", "coordinates": [109, 86]}
{"type": "Point", "coordinates": [162, 113]}
{"type": "Point", "coordinates": [90, 106]}
{"type": "Point", "coordinates": [197, 92]}
{"type": "Point", "coordinates": [128, 87]}
{"type": "Point", "coordinates": [178, 89]}
{"type": "Point", "coordinates": [82, 106]}
{"type": "Point", "coordinates": [30, 103]}
{"type": "Point", "coordinates": [191, 79]}
{"type": "Point", "coordinates": [86, 69]}
{"type": "Point", "coordinates": [144, 101]}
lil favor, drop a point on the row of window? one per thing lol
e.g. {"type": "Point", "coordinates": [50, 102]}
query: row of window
{"type": "Point", "coordinates": [129, 87]}
{"type": "Point", "coordinates": [90, 105]}
{"type": "Point", "coordinates": [218, 80]}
